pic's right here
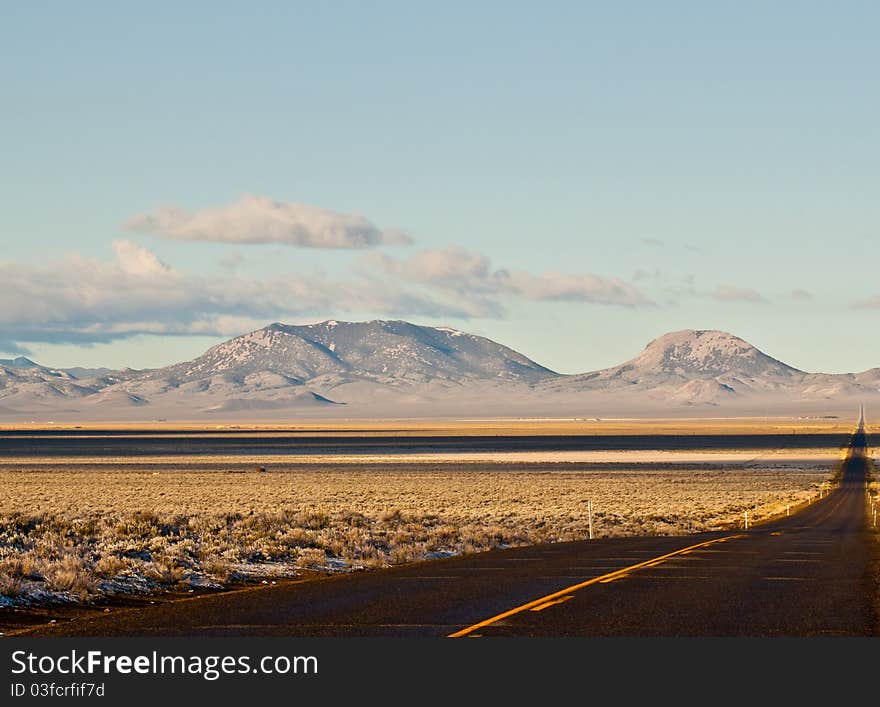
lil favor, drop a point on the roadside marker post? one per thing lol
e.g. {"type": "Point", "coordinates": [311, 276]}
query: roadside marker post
{"type": "Point", "coordinates": [746, 515]}
{"type": "Point", "coordinates": [590, 516]}
{"type": "Point", "coordinates": [787, 510]}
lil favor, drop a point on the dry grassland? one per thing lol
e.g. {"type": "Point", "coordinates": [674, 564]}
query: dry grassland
{"type": "Point", "coordinates": [501, 427]}
{"type": "Point", "coordinates": [77, 531]}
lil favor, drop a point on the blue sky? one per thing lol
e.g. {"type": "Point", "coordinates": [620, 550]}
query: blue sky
{"type": "Point", "coordinates": [571, 179]}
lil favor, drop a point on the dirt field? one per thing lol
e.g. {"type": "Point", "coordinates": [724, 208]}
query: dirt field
{"type": "Point", "coordinates": [503, 427]}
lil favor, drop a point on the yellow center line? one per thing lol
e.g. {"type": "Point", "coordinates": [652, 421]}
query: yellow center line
{"type": "Point", "coordinates": [543, 606]}
{"type": "Point", "coordinates": [611, 576]}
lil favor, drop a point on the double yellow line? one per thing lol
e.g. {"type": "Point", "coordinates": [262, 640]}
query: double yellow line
{"type": "Point", "coordinates": [611, 576]}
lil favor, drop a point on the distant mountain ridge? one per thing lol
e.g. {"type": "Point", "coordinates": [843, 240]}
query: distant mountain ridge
{"type": "Point", "coordinates": [377, 350]}
{"type": "Point", "coordinates": [19, 362]}
{"type": "Point", "coordinates": [396, 368]}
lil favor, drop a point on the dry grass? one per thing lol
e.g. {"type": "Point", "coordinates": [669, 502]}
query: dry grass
{"type": "Point", "coordinates": [76, 532]}
{"type": "Point", "coordinates": [501, 426]}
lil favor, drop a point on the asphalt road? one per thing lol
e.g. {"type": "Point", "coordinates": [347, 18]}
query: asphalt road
{"type": "Point", "coordinates": [811, 574]}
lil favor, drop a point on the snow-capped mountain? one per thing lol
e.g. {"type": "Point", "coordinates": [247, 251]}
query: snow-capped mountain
{"type": "Point", "coordinates": [398, 369]}
{"type": "Point", "coordinates": [692, 366]}
{"type": "Point", "coordinates": [19, 362]}
{"type": "Point", "coordinates": [319, 365]}
{"type": "Point", "coordinates": [386, 351]}
{"type": "Point", "coordinates": [25, 383]}
{"type": "Point", "coordinates": [701, 354]}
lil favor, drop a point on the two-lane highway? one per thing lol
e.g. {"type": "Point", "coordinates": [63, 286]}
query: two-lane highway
{"type": "Point", "coordinates": [805, 575]}
{"type": "Point", "coordinates": [811, 574]}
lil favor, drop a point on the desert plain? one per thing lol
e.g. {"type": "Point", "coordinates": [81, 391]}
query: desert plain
{"type": "Point", "coordinates": [92, 512]}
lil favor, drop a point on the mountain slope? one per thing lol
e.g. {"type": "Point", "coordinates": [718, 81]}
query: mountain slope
{"type": "Point", "coordinates": [692, 366]}
{"type": "Point", "coordinates": [701, 353]}
{"type": "Point", "coordinates": [36, 387]}
{"type": "Point", "coordinates": [380, 350]}
{"type": "Point", "coordinates": [19, 362]}
{"type": "Point", "coordinates": [398, 369]}
{"type": "Point", "coordinates": [312, 366]}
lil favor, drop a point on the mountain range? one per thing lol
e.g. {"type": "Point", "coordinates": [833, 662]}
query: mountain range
{"type": "Point", "coordinates": [398, 369]}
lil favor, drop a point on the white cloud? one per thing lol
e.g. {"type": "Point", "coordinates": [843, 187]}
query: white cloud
{"type": "Point", "coordinates": [136, 260]}
{"type": "Point", "coordinates": [727, 293]}
{"type": "Point", "coordinates": [85, 300]}
{"type": "Point", "coordinates": [258, 219]}
{"type": "Point", "coordinates": [563, 287]}
{"type": "Point", "coordinates": [468, 274]}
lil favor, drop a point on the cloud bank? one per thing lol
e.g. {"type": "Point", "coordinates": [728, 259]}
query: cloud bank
{"type": "Point", "coordinates": [79, 300]}
{"type": "Point", "coordinates": [85, 300]}
{"type": "Point", "coordinates": [469, 274]}
{"type": "Point", "coordinates": [258, 219]}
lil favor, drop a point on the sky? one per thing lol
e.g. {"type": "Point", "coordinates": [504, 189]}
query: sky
{"type": "Point", "coordinates": [571, 179]}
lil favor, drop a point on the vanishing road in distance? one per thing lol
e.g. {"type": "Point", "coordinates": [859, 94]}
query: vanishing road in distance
{"type": "Point", "coordinates": [810, 574]}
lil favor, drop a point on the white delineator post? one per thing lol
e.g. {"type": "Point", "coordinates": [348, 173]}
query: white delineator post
{"type": "Point", "coordinates": [590, 516]}
{"type": "Point", "coordinates": [788, 509]}
{"type": "Point", "coordinates": [746, 516]}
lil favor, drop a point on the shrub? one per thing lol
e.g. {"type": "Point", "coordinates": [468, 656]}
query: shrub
{"type": "Point", "coordinates": [10, 586]}
{"type": "Point", "coordinates": [163, 572]}
{"type": "Point", "coordinates": [311, 557]}
{"type": "Point", "coordinates": [110, 566]}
